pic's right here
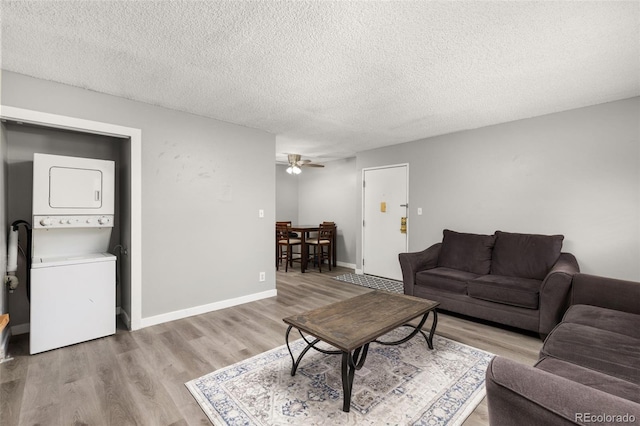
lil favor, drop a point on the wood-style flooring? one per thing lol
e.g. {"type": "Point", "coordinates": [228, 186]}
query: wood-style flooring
{"type": "Point", "coordinates": [137, 378]}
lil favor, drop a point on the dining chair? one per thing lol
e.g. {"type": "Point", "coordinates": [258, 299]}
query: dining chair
{"type": "Point", "coordinates": [333, 240]}
{"type": "Point", "coordinates": [284, 245]}
{"type": "Point", "coordinates": [322, 241]}
{"type": "Point", "coordinates": [278, 251]}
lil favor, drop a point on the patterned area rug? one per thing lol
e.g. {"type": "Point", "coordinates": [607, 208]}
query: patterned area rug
{"type": "Point", "coordinates": [372, 282]}
{"type": "Point", "coordinates": [398, 385]}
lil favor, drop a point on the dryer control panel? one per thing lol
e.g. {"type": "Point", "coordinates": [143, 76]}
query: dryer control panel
{"type": "Point", "coordinates": [73, 221]}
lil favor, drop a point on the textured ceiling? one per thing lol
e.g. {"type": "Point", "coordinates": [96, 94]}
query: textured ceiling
{"type": "Point", "coordinates": [333, 78]}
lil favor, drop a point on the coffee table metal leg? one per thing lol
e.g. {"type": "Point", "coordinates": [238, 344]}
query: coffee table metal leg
{"type": "Point", "coordinates": [351, 363]}
{"type": "Point", "coordinates": [310, 344]}
{"type": "Point", "coordinates": [417, 329]}
{"type": "Point", "coordinates": [433, 329]}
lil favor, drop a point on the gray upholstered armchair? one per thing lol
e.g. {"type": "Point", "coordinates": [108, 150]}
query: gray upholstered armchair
{"type": "Point", "coordinates": [589, 366]}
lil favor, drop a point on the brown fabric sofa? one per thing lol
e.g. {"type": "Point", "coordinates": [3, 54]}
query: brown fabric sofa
{"type": "Point", "coordinates": [520, 280]}
{"type": "Point", "coordinates": [589, 367]}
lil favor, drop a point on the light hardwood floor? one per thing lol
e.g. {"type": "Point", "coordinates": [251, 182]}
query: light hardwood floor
{"type": "Point", "coordinates": [137, 378]}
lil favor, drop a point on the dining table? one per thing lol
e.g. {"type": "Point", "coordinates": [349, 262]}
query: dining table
{"type": "Point", "coordinates": [304, 231]}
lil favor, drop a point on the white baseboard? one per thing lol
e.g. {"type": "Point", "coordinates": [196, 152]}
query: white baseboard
{"type": "Point", "coordinates": [175, 315]}
{"type": "Point", "coordinates": [359, 272]}
{"type": "Point", "coordinates": [346, 265]}
{"type": "Point", "coordinates": [203, 309]}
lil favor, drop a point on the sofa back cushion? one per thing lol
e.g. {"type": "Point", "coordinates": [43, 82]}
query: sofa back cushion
{"type": "Point", "coordinates": [525, 255]}
{"type": "Point", "coordinates": [466, 252]}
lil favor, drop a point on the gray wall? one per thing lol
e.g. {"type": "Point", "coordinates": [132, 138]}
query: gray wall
{"type": "Point", "coordinates": [22, 142]}
{"type": "Point", "coordinates": [203, 182]}
{"type": "Point", "coordinates": [322, 194]}
{"type": "Point", "coordinates": [286, 195]}
{"type": "Point", "coordinates": [576, 173]}
{"type": "Point", "coordinates": [330, 194]}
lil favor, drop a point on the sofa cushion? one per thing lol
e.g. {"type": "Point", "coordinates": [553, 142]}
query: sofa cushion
{"type": "Point", "coordinates": [525, 255]}
{"type": "Point", "coordinates": [604, 319]}
{"type": "Point", "coordinates": [600, 350]}
{"type": "Point", "coordinates": [445, 279]}
{"type": "Point", "coordinates": [591, 378]}
{"type": "Point", "coordinates": [522, 292]}
{"type": "Point", "coordinates": [466, 252]}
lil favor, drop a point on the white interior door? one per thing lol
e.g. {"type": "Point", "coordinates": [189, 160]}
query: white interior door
{"type": "Point", "coordinates": [385, 202]}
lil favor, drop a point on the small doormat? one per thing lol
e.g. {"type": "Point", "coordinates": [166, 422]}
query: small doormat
{"type": "Point", "coordinates": [372, 282]}
{"type": "Point", "coordinates": [398, 385]}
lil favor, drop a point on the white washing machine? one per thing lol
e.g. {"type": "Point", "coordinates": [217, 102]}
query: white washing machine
{"type": "Point", "coordinates": [72, 300]}
{"type": "Point", "coordinates": [73, 284]}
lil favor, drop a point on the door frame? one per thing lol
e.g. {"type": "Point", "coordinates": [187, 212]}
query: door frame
{"type": "Point", "coordinates": [134, 136]}
{"type": "Point", "coordinates": [362, 185]}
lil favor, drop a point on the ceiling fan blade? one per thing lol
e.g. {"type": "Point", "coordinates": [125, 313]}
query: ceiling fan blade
{"type": "Point", "coordinates": [311, 165]}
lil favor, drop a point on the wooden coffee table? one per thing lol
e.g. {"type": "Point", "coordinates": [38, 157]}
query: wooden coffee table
{"type": "Point", "coordinates": [352, 324]}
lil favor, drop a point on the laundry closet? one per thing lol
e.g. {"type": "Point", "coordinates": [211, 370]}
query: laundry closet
{"type": "Point", "coordinates": [66, 186]}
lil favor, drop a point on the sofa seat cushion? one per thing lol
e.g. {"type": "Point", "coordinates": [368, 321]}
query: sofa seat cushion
{"type": "Point", "coordinates": [521, 292]}
{"type": "Point", "coordinates": [466, 252]}
{"type": "Point", "coordinates": [600, 350]}
{"type": "Point", "coordinates": [593, 379]}
{"type": "Point", "coordinates": [525, 255]}
{"type": "Point", "coordinates": [445, 279]}
{"type": "Point", "coordinates": [604, 319]}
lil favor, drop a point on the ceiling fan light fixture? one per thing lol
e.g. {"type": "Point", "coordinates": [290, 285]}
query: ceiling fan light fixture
{"type": "Point", "coordinates": [293, 169]}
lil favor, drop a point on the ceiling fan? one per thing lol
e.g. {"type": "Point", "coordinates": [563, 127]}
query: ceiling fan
{"type": "Point", "coordinates": [295, 164]}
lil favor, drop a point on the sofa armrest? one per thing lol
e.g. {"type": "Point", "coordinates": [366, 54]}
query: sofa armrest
{"type": "Point", "coordinates": [555, 292]}
{"type": "Point", "coordinates": [412, 263]}
{"type": "Point", "coordinates": [518, 394]}
{"type": "Point", "coordinates": [606, 292]}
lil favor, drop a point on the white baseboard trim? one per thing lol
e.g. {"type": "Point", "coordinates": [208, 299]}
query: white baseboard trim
{"type": "Point", "coordinates": [171, 316]}
{"type": "Point", "coordinates": [359, 272]}
{"type": "Point", "coordinates": [346, 265]}
{"type": "Point", "coordinates": [203, 309]}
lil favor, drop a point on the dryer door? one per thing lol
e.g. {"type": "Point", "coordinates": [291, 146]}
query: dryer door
{"type": "Point", "coordinates": [71, 188]}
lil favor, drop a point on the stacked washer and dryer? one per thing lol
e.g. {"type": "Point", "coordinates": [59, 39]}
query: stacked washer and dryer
{"type": "Point", "coordinates": [73, 277]}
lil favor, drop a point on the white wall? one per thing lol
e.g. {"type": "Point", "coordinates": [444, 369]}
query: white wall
{"type": "Point", "coordinates": [575, 173]}
{"type": "Point", "coordinates": [330, 194]}
{"type": "Point", "coordinates": [203, 182]}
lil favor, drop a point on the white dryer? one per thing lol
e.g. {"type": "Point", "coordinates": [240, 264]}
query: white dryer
{"type": "Point", "coordinates": [73, 287]}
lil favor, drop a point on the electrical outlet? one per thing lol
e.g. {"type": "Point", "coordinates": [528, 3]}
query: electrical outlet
{"type": "Point", "coordinates": [261, 213]}
{"type": "Point", "coordinates": [419, 211]}
{"type": "Point", "coordinates": [263, 276]}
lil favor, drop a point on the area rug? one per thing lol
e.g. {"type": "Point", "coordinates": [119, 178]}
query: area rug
{"type": "Point", "coordinates": [371, 281]}
{"type": "Point", "coordinates": [398, 385]}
